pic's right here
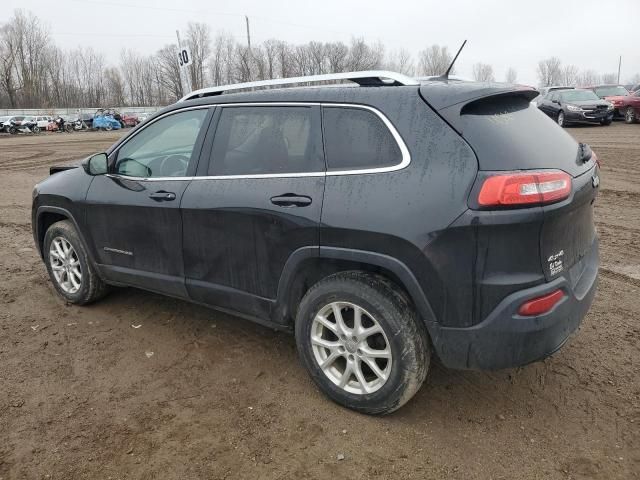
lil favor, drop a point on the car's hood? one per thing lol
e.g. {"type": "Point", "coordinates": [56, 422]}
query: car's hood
{"type": "Point", "coordinates": [583, 103]}
{"type": "Point", "coordinates": [616, 98]}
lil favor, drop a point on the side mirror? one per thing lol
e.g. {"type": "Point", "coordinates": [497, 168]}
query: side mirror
{"type": "Point", "coordinates": [96, 165]}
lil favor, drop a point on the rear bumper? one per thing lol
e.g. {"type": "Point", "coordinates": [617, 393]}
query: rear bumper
{"type": "Point", "coordinates": [505, 339]}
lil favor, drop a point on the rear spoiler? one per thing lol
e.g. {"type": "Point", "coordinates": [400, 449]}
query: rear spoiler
{"type": "Point", "coordinates": [441, 95]}
{"type": "Point", "coordinates": [453, 99]}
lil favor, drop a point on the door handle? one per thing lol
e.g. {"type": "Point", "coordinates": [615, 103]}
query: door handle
{"type": "Point", "coordinates": [291, 200]}
{"type": "Point", "coordinates": [162, 196]}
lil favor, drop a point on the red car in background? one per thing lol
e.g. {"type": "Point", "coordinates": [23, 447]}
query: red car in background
{"type": "Point", "coordinates": [130, 119]}
{"type": "Point", "coordinates": [609, 93]}
{"type": "Point", "coordinates": [628, 106]}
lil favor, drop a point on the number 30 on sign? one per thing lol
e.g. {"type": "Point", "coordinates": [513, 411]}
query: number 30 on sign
{"type": "Point", "coordinates": [184, 57]}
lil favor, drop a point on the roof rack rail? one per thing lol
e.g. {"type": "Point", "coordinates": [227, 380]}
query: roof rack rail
{"type": "Point", "coordinates": [367, 78]}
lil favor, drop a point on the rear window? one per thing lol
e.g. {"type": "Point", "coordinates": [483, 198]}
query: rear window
{"type": "Point", "coordinates": [508, 133]}
{"type": "Point", "coordinates": [356, 139]}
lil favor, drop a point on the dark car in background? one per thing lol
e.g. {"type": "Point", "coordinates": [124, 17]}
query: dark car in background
{"type": "Point", "coordinates": [576, 106]}
{"type": "Point", "coordinates": [379, 223]}
{"type": "Point", "coordinates": [87, 118]}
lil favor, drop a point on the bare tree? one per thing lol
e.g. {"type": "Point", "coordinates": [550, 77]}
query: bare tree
{"type": "Point", "coordinates": [199, 42]}
{"type": "Point", "coordinates": [271, 57]}
{"type": "Point", "coordinates": [549, 72]}
{"type": "Point", "coordinates": [610, 78]}
{"type": "Point", "coordinates": [337, 53]}
{"type": "Point", "coordinates": [169, 70]}
{"type": "Point", "coordinates": [434, 60]}
{"type": "Point", "coordinates": [363, 57]}
{"type": "Point", "coordinates": [8, 82]}
{"type": "Point", "coordinates": [587, 78]}
{"type": "Point", "coordinates": [511, 76]}
{"type": "Point", "coordinates": [400, 61]}
{"type": "Point", "coordinates": [483, 72]}
{"type": "Point", "coordinates": [569, 75]}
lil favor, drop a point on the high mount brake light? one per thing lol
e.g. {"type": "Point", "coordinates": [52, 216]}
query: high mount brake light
{"type": "Point", "coordinates": [512, 189]}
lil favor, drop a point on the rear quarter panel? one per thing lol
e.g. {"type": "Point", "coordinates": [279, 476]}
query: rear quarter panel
{"type": "Point", "coordinates": [405, 214]}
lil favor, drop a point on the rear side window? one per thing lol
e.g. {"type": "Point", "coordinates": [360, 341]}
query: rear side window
{"type": "Point", "coordinates": [267, 140]}
{"type": "Point", "coordinates": [355, 138]}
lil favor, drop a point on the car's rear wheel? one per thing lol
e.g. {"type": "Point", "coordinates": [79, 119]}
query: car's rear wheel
{"type": "Point", "coordinates": [362, 342]}
{"type": "Point", "coordinates": [560, 118]}
{"type": "Point", "coordinates": [70, 270]}
{"type": "Point", "coordinates": [629, 115]}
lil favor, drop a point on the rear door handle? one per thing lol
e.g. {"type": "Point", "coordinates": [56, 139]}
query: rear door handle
{"type": "Point", "coordinates": [291, 200]}
{"type": "Point", "coordinates": [163, 196]}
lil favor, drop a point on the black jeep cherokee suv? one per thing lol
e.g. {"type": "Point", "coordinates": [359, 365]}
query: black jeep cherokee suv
{"type": "Point", "coordinates": [380, 222]}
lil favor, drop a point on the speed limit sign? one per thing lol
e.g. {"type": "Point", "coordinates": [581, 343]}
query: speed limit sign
{"type": "Point", "coordinates": [184, 57]}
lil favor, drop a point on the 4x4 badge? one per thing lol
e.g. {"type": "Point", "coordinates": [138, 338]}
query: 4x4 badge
{"type": "Point", "coordinates": [595, 180]}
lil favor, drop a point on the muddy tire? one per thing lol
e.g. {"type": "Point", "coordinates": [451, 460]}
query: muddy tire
{"type": "Point", "coordinates": [69, 267]}
{"type": "Point", "coordinates": [560, 119]}
{"type": "Point", "coordinates": [362, 342]}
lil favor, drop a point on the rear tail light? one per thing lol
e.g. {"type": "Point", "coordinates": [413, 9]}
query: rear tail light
{"type": "Point", "coordinates": [540, 305]}
{"type": "Point", "coordinates": [595, 158]}
{"type": "Point", "coordinates": [514, 189]}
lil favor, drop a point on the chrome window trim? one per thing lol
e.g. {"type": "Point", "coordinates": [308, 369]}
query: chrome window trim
{"type": "Point", "coordinates": [406, 156]}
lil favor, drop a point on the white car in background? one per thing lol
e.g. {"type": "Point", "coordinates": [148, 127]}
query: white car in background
{"type": "Point", "coordinates": [43, 121]}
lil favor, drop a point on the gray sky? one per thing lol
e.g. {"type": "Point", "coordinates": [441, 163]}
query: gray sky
{"type": "Point", "coordinates": [590, 34]}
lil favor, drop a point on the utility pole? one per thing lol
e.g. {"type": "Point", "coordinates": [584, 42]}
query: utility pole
{"type": "Point", "coordinates": [183, 78]}
{"type": "Point", "coordinates": [619, 65]}
{"type": "Point", "coordinates": [248, 34]}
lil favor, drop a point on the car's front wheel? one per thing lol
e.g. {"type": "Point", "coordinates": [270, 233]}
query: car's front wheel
{"type": "Point", "coordinates": [362, 342]}
{"type": "Point", "coordinates": [629, 115]}
{"type": "Point", "coordinates": [560, 119]}
{"type": "Point", "coordinates": [70, 270]}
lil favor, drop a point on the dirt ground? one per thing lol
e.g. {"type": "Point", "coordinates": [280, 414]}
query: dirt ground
{"type": "Point", "coordinates": [193, 393]}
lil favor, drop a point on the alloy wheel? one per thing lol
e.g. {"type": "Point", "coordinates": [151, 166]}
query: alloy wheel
{"type": "Point", "coordinates": [629, 115]}
{"type": "Point", "coordinates": [351, 348]}
{"type": "Point", "coordinates": [65, 265]}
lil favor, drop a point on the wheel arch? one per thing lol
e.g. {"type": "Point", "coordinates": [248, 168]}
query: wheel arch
{"type": "Point", "coordinates": [47, 216]}
{"type": "Point", "coordinates": [308, 265]}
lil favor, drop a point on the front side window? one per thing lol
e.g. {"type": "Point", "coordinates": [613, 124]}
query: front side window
{"type": "Point", "coordinates": [164, 148]}
{"type": "Point", "coordinates": [356, 139]}
{"type": "Point", "coordinates": [267, 140]}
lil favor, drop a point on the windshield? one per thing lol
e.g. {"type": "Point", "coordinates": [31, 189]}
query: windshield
{"type": "Point", "coordinates": [611, 91]}
{"type": "Point", "coordinates": [578, 95]}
